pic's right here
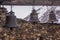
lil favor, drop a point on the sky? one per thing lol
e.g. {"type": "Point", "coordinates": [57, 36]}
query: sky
{"type": "Point", "coordinates": [23, 11]}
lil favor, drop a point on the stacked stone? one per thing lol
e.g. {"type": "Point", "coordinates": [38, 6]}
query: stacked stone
{"type": "Point", "coordinates": [29, 31]}
{"type": "Point", "coordinates": [47, 31]}
{"type": "Point", "coordinates": [3, 11]}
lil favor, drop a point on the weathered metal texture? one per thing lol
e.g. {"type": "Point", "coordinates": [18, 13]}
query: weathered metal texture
{"type": "Point", "coordinates": [11, 20]}
{"type": "Point", "coordinates": [52, 16]}
{"type": "Point", "coordinates": [30, 2]}
{"type": "Point", "coordinates": [34, 16]}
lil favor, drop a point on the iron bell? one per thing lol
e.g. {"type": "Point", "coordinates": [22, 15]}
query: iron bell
{"type": "Point", "coordinates": [34, 17]}
{"type": "Point", "coordinates": [52, 17]}
{"type": "Point", "coordinates": [11, 20]}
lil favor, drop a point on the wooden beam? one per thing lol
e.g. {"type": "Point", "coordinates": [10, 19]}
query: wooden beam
{"type": "Point", "coordinates": [30, 2]}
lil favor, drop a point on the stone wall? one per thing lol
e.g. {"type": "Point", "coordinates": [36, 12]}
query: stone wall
{"type": "Point", "coordinates": [29, 31]}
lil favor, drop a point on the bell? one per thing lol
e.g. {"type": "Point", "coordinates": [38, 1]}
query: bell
{"type": "Point", "coordinates": [34, 17]}
{"type": "Point", "coordinates": [52, 17]}
{"type": "Point", "coordinates": [11, 20]}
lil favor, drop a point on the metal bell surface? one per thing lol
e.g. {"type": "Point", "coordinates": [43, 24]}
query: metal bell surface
{"type": "Point", "coordinates": [11, 20]}
{"type": "Point", "coordinates": [52, 16]}
{"type": "Point", "coordinates": [34, 16]}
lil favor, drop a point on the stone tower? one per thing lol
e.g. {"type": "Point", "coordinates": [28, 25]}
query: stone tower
{"type": "Point", "coordinates": [34, 16]}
